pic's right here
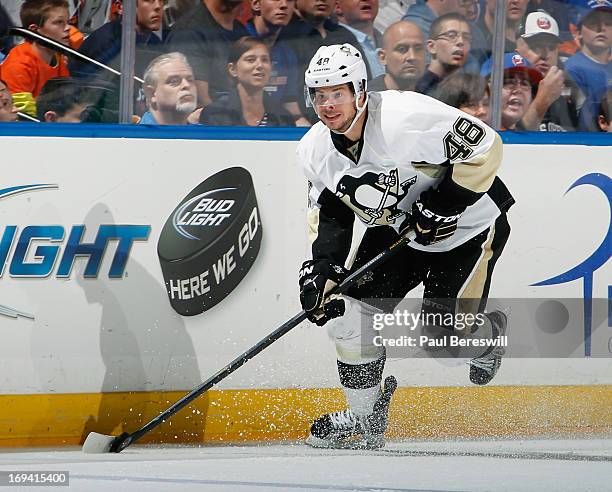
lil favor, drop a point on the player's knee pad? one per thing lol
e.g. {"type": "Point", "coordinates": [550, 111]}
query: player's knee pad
{"type": "Point", "coordinates": [353, 333]}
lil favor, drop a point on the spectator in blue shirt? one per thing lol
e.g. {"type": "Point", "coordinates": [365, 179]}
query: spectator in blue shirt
{"type": "Point", "coordinates": [591, 67]}
{"type": "Point", "coordinates": [170, 90]}
{"type": "Point", "coordinates": [358, 17]}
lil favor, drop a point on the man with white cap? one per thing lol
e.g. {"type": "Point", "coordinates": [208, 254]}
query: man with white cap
{"type": "Point", "coordinates": [554, 107]}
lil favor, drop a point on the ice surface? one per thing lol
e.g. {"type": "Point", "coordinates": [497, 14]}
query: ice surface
{"type": "Point", "coordinates": [517, 465]}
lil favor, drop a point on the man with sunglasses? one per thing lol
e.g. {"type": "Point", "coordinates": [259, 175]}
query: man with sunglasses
{"type": "Point", "coordinates": [448, 45]}
{"type": "Point", "coordinates": [554, 107]}
{"type": "Point", "coordinates": [403, 163]}
{"type": "Point", "coordinates": [591, 67]}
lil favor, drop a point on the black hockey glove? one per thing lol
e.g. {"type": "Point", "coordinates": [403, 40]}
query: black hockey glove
{"type": "Point", "coordinates": [317, 278]}
{"type": "Point", "coordinates": [431, 224]}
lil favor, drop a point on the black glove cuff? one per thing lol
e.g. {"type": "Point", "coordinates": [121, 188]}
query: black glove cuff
{"type": "Point", "coordinates": [326, 269]}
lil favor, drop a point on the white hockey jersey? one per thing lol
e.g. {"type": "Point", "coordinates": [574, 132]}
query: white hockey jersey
{"type": "Point", "coordinates": [409, 143]}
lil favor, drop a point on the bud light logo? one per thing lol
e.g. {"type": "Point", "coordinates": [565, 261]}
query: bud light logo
{"type": "Point", "coordinates": [39, 250]}
{"type": "Point", "coordinates": [210, 241]}
{"type": "Point", "coordinates": [210, 209]}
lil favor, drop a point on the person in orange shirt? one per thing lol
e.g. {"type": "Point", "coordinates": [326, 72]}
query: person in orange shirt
{"type": "Point", "coordinates": [29, 65]}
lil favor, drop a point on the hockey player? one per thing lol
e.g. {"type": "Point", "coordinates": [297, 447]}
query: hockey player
{"type": "Point", "coordinates": [399, 161]}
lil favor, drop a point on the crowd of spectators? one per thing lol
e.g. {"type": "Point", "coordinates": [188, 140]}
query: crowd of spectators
{"type": "Point", "coordinates": [241, 62]}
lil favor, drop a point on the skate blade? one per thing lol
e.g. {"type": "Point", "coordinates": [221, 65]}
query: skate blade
{"type": "Point", "coordinates": [356, 443]}
{"type": "Point", "coordinates": [98, 443]}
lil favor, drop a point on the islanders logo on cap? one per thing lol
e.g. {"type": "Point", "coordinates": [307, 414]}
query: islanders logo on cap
{"type": "Point", "coordinates": [543, 23]}
{"type": "Point", "coordinates": [518, 60]}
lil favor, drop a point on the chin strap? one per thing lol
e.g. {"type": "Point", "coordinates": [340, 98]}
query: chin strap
{"type": "Point", "coordinates": [357, 115]}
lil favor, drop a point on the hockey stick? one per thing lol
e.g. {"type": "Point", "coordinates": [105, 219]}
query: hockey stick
{"type": "Point", "coordinates": [63, 49]}
{"type": "Point", "coordinates": [24, 116]}
{"type": "Point", "coordinates": [100, 443]}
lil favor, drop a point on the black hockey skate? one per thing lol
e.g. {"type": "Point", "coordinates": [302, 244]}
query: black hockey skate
{"type": "Point", "coordinates": [484, 368]}
{"type": "Point", "coordinates": [346, 430]}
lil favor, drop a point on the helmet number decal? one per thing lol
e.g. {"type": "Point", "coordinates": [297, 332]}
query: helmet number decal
{"type": "Point", "coordinates": [322, 61]}
{"type": "Point", "coordinates": [465, 134]}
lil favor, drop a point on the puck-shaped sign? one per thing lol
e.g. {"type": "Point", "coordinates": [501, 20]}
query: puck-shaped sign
{"type": "Point", "coordinates": [210, 241]}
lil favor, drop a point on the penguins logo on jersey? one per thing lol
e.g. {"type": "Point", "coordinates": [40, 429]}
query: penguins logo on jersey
{"type": "Point", "coordinates": [374, 197]}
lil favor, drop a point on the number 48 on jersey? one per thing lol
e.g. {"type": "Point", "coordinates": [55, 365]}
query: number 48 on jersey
{"type": "Point", "coordinates": [465, 135]}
